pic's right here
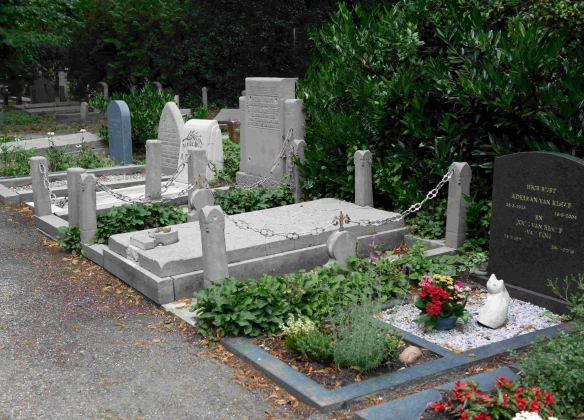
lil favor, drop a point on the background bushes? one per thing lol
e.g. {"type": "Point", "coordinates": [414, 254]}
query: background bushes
{"type": "Point", "coordinates": [422, 84]}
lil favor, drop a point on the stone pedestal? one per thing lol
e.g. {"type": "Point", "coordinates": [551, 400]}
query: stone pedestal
{"type": "Point", "coordinates": [212, 224]}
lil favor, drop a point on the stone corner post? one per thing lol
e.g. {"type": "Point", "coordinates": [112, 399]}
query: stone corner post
{"type": "Point", "coordinates": [87, 208]}
{"type": "Point", "coordinates": [212, 224]}
{"type": "Point", "coordinates": [205, 101]}
{"type": "Point", "coordinates": [456, 229]}
{"type": "Point", "coordinates": [363, 178]}
{"type": "Point", "coordinates": [153, 169]}
{"type": "Point", "coordinates": [40, 193]}
{"type": "Point", "coordinates": [83, 110]}
{"type": "Point", "coordinates": [298, 150]}
{"type": "Point", "coordinates": [197, 168]}
{"type": "Point", "coordinates": [73, 188]}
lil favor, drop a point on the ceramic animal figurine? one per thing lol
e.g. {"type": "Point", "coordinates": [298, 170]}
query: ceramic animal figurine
{"type": "Point", "coordinates": [494, 311]}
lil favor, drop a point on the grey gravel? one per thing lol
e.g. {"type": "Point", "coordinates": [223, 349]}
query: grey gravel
{"type": "Point", "coordinates": [62, 358]}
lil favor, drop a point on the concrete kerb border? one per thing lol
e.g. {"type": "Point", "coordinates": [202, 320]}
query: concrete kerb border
{"type": "Point", "coordinates": [314, 395]}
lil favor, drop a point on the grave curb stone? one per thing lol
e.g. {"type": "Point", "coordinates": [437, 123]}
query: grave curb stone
{"type": "Point", "coordinates": [407, 408]}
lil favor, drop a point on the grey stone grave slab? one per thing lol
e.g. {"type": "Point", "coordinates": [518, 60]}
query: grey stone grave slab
{"type": "Point", "coordinates": [228, 114]}
{"type": "Point", "coordinates": [245, 244]}
{"type": "Point", "coordinates": [537, 219]}
{"type": "Point", "coordinates": [119, 132]}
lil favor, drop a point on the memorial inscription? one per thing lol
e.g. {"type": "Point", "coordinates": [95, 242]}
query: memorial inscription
{"type": "Point", "coordinates": [536, 230]}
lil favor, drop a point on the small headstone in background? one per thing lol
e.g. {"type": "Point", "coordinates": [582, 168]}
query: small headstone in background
{"type": "Point", "coordinates": [119, 132]}
{"type": "Point", "coordinates": [84, 109]}
{"type": "Point", "coordinates": [204, 134]}
{"type": "Point", "coordinates": [158, 86]}
{"type": "Point", "coordinates": [177, 137]}
{"type": "Point", "coordinates": [63, 89]}
{"type": "Point", "coordinates": [536, 223]}
{"type": "Point", "coordinates": [104, 89]}
{"type": "Point", "coordinates": [205, 102]}
{"type": "Point", "coordinates": [177, 100]}
{"type": "Point", "coordinates": [44, 91]}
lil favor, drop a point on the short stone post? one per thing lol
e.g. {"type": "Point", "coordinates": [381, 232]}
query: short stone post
{"type": "Point", "coordinates": [231, 126]}
{"type": "Point", "coordinates": [212, 223]}
{"type": "Point", "coordinates": [158, 86]}
{"type": "Point", "coordinates": [363, 179]}
{"type": "Point", "coordinates": [298, 146]}
{"type": "Point", "coordinates": [40, 194]}
{"type": "Point", "coordinates": [197, 168]}
{"type": "Point", "coordinates": [198, 200]}
{"type": "Point", "coordinates": [459, 183]}
{"type": "Point", "coordinates": [73, 188]}
{"type": "Point", "coordinates": [84, 109]}
{"type": "Point", "coordinates": [177, 100]}
{"type": "Point", "coordinates": [87, 208]}
{"type": "Point", "coordinates": [205, 103]}
{"type": "Point", "coordinates": [153, 169]}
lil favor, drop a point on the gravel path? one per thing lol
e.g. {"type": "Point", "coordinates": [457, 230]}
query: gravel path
{"type": "Point", "coordinates": [523, 318]}
{"type": "Point", "coordinates": [75, 343]}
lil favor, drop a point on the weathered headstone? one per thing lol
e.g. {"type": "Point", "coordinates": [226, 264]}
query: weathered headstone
{"type": "Point", "coordinates": [537, 216]}
{"type": "Point", "coordinates": [104, 89]}
{"type": "Point", "coordinates": [158, 86]}
{"type": "Point", "coordinates": [44, 91]}
{"type": "Point", "coordinates": [363, 179]}
{"type": "Point", "coordinates": [200, 199]}
{"type": "Point", "coordinates": [265, 125]}
{"type": "Point", "coordinates": [177, 137]}
{"type": "Point", "coordinates": [63, 88]}
{"type": "Point", "coordinates": [119, 132]}
{"type": "Point", "coordinates": [340, 246]}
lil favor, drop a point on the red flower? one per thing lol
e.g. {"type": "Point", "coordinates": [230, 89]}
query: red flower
{"type": "Point", "coordinates": [548, 398]}
{"type": "Point", "coordinates": [482, 416]}
{"type": "Point", "coordinates": [521, 402]}
{"type": "Point", "coordinates": [534, 406]}
{"type": "Point", "coordinates": [518, 392]}
{"type": "Point", "coordinates": [437, 406]}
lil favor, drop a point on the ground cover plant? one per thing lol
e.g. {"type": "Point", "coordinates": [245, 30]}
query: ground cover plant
{"type": "Point", "coordinates": [239, 200]}
{"type": "Point", "coordinates": [254, 307]}
{"type": "Point", "coordinates": [16, 121]}
{"type": "Point", "coordinates": [14, 160]}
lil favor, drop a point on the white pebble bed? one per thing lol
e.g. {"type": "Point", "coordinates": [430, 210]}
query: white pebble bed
{"type": "Point", "coordinates": [104, 178]}
{"type": "Point", "coordinates": [523, 318]}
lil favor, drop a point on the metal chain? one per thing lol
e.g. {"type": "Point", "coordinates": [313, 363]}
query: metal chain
{"type": "Point", "coordinates": [242, 224]}
{"type": "Point", "coordinates": [412, 209]}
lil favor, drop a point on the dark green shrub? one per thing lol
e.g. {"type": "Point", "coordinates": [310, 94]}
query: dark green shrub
{"type": "Point", "coordinates": [423, 84]}
{"type": "Point", "coordinates": [240, 200]}
{"type": "Point", "coordinates": [70, 239]}
{"type": "Point", "coordinates": [231, 154]}
{"type": "Point", "coordinates": [316, 346]}
{"type": "Point", "coordinates": [430, 222]}
{"type": "Point", "coordinates": [145, 106]}
{"type": "Point", "coordinates": [14, 160]}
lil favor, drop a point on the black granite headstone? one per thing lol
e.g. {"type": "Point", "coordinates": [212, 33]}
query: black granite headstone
{"type": "Point", "coordinates": [44, 91]}
{"type": "Point", "coordinates": [537, 224]}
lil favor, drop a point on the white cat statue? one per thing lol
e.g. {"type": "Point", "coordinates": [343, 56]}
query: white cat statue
{"type": "Point", "coordinates": [493, 313]}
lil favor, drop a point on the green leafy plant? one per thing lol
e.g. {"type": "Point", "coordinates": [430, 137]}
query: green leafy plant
{"type": "Point", "coordinates": [240, 200]}
{"type": "Point", "coordinates": [431, 221]}
{"type": "Point", "coordinates": [14, 160]}
{"type": "Point", "coordinates": [231, 155]}
{"type": "Point", "coordinates": [571, 291]}
{"type": "Point", "coordinates": [70, 238]}
{"type": "Point", "coordinates": [303, 337]}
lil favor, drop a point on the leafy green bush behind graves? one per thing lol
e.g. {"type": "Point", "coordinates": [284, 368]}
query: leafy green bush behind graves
{"type": "Point", "coordinates": [145, 106]}
{"type": "Point", "coordinates": [239, 200]}
{"type": "Point", "coordinates": [423, 84]}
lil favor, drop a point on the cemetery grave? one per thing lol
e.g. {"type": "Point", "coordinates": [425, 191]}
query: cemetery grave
{"type": "Point", "coordinates": [174, 262]}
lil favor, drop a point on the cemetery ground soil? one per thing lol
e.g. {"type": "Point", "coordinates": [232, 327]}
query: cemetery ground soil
{"type": "Point", "coordinates": [75, 342]}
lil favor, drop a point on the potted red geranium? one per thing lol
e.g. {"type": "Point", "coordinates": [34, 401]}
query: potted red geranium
{"type": "Point", "coordinates": [442, 301]}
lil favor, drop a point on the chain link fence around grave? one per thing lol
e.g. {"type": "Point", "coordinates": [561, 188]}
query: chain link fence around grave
{"type": "Point", "coordinates": [201, 182]}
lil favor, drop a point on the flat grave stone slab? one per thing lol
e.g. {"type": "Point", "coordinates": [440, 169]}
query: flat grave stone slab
{"type": "Point", "coordinates": [247, 244]}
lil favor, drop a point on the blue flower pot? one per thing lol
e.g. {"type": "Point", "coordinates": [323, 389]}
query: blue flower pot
{"type": "Point", "coordinates": [446, 323]}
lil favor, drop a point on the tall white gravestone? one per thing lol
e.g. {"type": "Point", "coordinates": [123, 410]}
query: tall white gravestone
{"type": "Point", "coordinates": [177, 137]}
{"type": "Point", "coordinates": [263, 127]}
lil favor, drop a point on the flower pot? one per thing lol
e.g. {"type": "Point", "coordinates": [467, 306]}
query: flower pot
{"type": "Point", "coordinates": [446, 323]}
